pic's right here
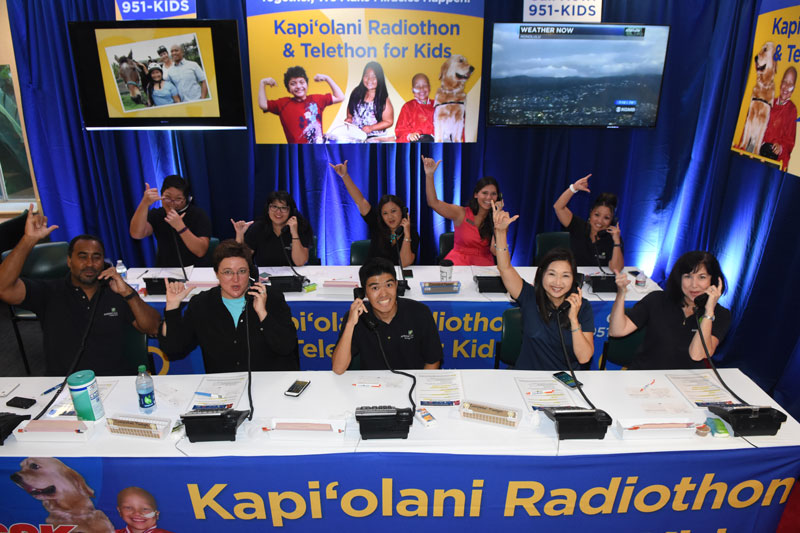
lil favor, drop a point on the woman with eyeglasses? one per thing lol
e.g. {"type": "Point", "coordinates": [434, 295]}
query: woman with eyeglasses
{"type": "Point", "coordinates": [281, 235]}
{"type": "Point", "coordinates": [219, 319]}
{"type": "Point", "coordinates": [182, 229]}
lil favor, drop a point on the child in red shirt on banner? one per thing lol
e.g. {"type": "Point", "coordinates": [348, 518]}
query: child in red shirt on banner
{"type": "Point", "coordinates": [139, 510]}
{"type": "Point", "coordinates": [780, 134]}
{"type": "Point", "coordinates": [416, 117]}
{"type": "Point", "coordinates": [300, 114]}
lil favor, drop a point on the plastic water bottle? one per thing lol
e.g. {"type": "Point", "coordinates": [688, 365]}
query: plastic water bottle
{"type": "Point", "coordinates": [146, 391]}
{"type": "Point", "coordinates": [122, 270]}
{"type": "Point", "coordinates": [641, 280]}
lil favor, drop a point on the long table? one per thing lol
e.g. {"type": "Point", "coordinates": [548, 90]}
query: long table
{"type": "Point", "coordinates": [484, 476]}
{"type": "Point", "coordinates": [470, 322]}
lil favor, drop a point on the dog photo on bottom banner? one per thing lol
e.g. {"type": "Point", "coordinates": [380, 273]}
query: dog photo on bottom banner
{"type": "Point", "coordinates": [68, 500]}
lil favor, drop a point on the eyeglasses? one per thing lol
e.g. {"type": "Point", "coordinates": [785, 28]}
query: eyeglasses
{"type": "Point", "coordinates": [228, 273]}
{"type": "Point", "coordinates": [281, 208]}
{"type": "Point", "coordinates": [172, 200]}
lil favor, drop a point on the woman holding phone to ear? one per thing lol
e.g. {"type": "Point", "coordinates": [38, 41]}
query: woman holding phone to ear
{"type": "Point", "coordinates": [671, 340]}
{"type": "Point", "coordinates": [596, 242]}
{"type": "Point", "coordinates": [390, 232]}
{"type": "Point", "coordinates": [473, 239]}
{"type": "Point", "coordinates": [280, 234]}
{"type": "Point", "coordinates": [553, 301]}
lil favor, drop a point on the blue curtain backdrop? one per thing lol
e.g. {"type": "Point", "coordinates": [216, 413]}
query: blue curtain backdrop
{"type": "Point", "coordinates": [680, 186]}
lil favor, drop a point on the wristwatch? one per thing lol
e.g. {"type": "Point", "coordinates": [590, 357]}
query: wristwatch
{"type": "Point", "coordinates": [706, 317]}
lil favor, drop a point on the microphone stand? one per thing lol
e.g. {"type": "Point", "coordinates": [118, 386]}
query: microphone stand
{"type": "Point", "coordinates": [745, 419]}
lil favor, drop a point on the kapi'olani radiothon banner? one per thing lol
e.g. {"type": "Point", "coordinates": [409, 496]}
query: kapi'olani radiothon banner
{"type": "Point", "coordinates": [355, 71]}
{"type": "Point", "coordinates": [703, 491]}
{"type": "Point", "coordinates": [767, 125]}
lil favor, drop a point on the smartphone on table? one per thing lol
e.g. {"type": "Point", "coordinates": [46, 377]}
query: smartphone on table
{"type": "Point", "coordinates": [297, 388]}
{"type": "Point", "coordinates": [566, 379]}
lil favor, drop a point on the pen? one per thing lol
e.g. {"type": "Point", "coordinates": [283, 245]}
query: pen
{"type": "Point", "coordinates": [646, 385]}
{"type": "Point", "coordinates": [210, 395]}
{"type": "Point", "coordinates": [143, 273]}
{"type": "Point", "coordinates": [51, 389]}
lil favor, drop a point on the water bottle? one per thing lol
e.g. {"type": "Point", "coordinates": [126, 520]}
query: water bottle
{"type": "Point", "coordinates": [122, 270]}
{"type": "Point", "coordinates": [641, 280]}
{"type": "Point", "coordinates": [146, 391]}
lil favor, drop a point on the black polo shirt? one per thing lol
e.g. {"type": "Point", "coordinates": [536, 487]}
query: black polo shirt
{"type": "Point", "coordinates": [586, 252]}
{"type": "Point", "coordinates": [269, 248]}
{"type": "Point", "coordinates": [166, 256]}
{"type": "Point", "coordinates": [410, 340]}
{"type": "Point", "coordinates": [207, 322]}
{"type": "Point", "coordinates": [381, 245]}
{"type": "Point", "coordinates": [63, 310]}
{"type": "Point", "coordinates": [669, 333]}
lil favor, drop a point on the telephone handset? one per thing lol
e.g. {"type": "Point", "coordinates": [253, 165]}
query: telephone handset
{"type": "Point", "coordinates": [369, 322]}
{"type": "Point", "coordinates": [565, 305]}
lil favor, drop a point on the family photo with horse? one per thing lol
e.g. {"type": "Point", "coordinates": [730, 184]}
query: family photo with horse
{"type": "Point", "coordinates": [158, 72]}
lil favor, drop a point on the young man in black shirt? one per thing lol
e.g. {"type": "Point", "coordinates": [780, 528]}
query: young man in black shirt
{"type": "Point", "coordinates": [65, 306]}
{"type": "Point", "coordinates": [406, 328]}
{"type": "Point", "coordinates": [219, 319]}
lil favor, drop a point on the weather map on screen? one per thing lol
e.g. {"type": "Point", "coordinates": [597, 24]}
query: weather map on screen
{"type": "Point", "coordinates": [605, 75]}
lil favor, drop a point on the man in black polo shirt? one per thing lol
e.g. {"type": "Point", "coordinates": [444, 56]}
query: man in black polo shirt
{"type": "Point", "coordinates": [407, 329]}
{"type": "Point", "coordinates": [64, 306]}
{"type": "Point", "coordinates": [182, 229]}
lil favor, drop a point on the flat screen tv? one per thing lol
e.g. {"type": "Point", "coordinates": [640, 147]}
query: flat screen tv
{"type": "Point", "coordinates": [602, 75]}
{"type": "Point", "coordinates": [158, 74]}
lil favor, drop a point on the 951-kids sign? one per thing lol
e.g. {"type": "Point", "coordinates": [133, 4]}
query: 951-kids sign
{"type": "Point", "coordinates": [154, 9]}
{"type": "Point", "coordinates": [352, 71]}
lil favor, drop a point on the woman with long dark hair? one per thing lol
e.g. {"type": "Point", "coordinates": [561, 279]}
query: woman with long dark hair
{"type": "Point", "coordinates": [159, 90]}
{"type": "Point", "coordinates": [472, 243]}
{"type": "Point", "coordinates": [391, 234]}
{"type": "Point", "coordinates": [672, 339]}
{"type": "Point", "coordinates": [553, 301]}
{"type": "Point", "coordinates": [280, 236]}
{"type": "Point", "coordinates": [369, 107]}
{"type": "Point", "coordinates": [597, 241]}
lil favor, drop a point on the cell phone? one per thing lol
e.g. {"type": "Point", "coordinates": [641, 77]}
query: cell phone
{"type": "Point", "coordinates": [6, 390]}
{"type": "Point", "coordinates": [359, 292]}
{"type": "Point", "coordinates": [566, 379]}
{"type": "Point", "coordinates": [297, 388]}
{"type": "Point", "coordinates": [20, 403]}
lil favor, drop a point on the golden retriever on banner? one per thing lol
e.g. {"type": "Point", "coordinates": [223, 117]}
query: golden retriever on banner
{"type": "Point", "coordinates": [450, 102]}
{"type": "Point", "coordinates": [63, 493]}
{"type": "Point", "coordinates": [761, 101]}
